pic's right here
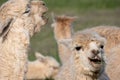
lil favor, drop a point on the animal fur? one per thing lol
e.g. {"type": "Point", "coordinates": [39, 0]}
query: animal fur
{"type": "Point", "coordinates": [78, 66]}
{"type": "Point", "coordinates": [113, 68]}
{"type": "Point", "coordinates": [111, 33]}
{"type": "Point", "coordinates": [38, 9]}
{"type": "Point", "coordinates": [43, 67]}
{"type": "Point", "coordinates": [14, 46]}
{"type": "Point", "coordinates": [63, 30]}
{"type": "Point", "coordinates": [10, 10]}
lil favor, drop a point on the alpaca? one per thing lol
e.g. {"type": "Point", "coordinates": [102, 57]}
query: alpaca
{"type": "Point", "coordinates": [15, 44]}
{"type": "Point", "coordinates": [63, 30]}
{"type": "Point", "coordinates": [87, 60]}
{"type": "Point", "coordinates": [111, 33]}
{"type": "Point", "coordinates": [42, 68]}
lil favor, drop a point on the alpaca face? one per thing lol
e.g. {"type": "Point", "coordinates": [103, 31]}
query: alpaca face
{"type": "Point", "coordinates": [89, 52]}
{"type": "Point", "coordinates": [31, 21]}
{"type": "Point", "coordinates": [38, 10]}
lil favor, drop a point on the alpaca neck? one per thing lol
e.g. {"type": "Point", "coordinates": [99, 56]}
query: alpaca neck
{"type": "Point", "coordinates": [14, 51]}
{"type": "Point", "coordinates": [84, 75]}
{"type": "Point", "coordinates": [64, 52]}
{"type": "Point", "coordinates": [19, 39]}
{"type": "Point", "coordinates": [63, 34]}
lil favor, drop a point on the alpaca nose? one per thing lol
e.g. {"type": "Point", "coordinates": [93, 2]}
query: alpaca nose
{"type": "Point", "coordinates": [95, 52]}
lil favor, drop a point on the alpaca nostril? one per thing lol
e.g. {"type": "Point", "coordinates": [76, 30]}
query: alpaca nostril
{"type": "Point", "coordinates": [55, 67]}
{"type": "Point", "coordinates": [95, 52]}
{"type": "Point", "coordinates": [43, 4]}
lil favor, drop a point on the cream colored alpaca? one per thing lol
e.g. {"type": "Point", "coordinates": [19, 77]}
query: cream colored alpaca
{"type": "Point", "coordinates": [14, 46]}
{"type": "Point", "coordinates": [111, 33]}
{"type": "Point", "coordinates": [42, 68]}
{"type": "Point", "coordinates": [87, 61]}
{"type": "Point", "coordinates": [63, 30]}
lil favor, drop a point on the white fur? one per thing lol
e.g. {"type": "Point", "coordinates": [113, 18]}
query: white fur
{"type": "Point", "coordinates": [42, 68]}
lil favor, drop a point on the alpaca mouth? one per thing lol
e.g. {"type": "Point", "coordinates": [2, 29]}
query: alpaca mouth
{"type": "Point", "coordinates": [45, 19]}
{"type": "Point", "coordinates": [95, 61]}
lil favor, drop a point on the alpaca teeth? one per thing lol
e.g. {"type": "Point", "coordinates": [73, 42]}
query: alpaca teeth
{"type": "Point", "coordinates": [96, 57]}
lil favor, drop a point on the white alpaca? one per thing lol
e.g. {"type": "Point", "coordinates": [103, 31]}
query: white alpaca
{"type": "Point", "coordinates": [87, 61]}
{"type": "Point", "coordinates": [42, 68]}
{"type": "Point", "coordinates": [63, 30]}
{"type": "Point", "coordinates": [15, 43]}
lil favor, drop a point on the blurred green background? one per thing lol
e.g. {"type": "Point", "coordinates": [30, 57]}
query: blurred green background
{"type": "Point", "coordinates": [90, 13]}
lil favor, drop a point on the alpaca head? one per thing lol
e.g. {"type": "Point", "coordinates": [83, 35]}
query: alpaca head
{"type": "Point", "coordinates": [50, 64]}
{"type": "Point", "coordinates": [30, 21]}
{"type": "Point", "coordinates": [62, 26]}
{"type": "Point", "coordinates": [38, 10]}
{"type": "Point", "coordinates": [88, 51]}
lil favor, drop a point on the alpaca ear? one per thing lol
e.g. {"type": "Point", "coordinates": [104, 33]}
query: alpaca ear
{"type": "Point", "coordinates": [72, 19]}
{"type": "Point", "coordinates": [39, 56]}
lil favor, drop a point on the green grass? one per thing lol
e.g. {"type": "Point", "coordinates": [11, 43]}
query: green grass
{"type": "Point", "coordinates": [82, 4]}
{"type": "Point", "coordinates": [2, 1]}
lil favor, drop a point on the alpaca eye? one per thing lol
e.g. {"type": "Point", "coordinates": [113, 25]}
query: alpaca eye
{"type": "Point", "coordinates": [101, 46]}
{"type": "Point", "coordinates": [78, 48]}
{"type": "Point", "coordinates": [27, 9]}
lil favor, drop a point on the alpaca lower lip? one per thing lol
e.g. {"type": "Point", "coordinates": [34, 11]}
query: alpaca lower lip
{"type": "Point", "coordinates": [95, 62]}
